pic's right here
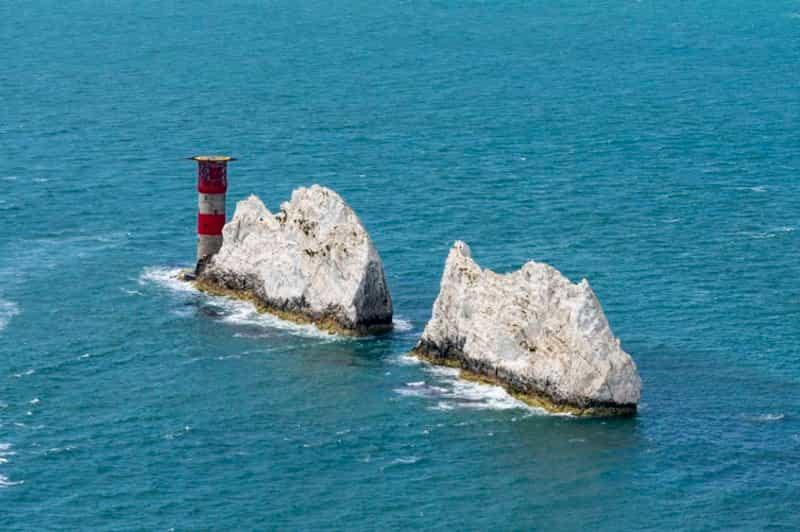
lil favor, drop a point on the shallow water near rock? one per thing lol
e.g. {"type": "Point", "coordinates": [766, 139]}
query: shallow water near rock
{"type": "Point", "coordinates": [650, 148]}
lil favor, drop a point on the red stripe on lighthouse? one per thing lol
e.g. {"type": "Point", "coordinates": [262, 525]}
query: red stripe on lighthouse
{"type": "Point", "coordinates": [212, 177]}
{"type": "Point", "coordinates": [210, 224]}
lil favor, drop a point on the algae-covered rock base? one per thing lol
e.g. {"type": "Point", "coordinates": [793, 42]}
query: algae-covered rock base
{"type": "Point", "coordinates": [312, 262]}
{"type": "Point", "coordinates": [543, 338]}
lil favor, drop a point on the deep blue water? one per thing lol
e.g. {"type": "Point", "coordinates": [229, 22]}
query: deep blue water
{"type": "Point", "coordinates": [652, 147]}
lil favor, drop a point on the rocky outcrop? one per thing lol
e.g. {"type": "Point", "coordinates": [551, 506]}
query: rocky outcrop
{"type": "Point", "coordinates": [311, 262]}
{"type": "Point", "coordinates": [532, 331]}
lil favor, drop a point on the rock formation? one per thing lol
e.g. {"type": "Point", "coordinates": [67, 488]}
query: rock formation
{"type": "Point", "coordinates": [543, 338]}
{"type": "Point", "coordinates": [311, 262]}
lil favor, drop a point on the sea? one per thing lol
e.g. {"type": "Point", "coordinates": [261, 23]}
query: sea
{"type": "Point", "coordinates": [651, 147]}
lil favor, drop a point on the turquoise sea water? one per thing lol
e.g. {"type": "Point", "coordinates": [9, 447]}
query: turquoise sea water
{"type": "Point", "coordinates": [652, 147]}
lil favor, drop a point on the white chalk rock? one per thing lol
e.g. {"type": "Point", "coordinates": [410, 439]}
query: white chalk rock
{"type": "Point", "coordinates": [532, 331]}
{"type": "Point", "coordinates": [313, 259]}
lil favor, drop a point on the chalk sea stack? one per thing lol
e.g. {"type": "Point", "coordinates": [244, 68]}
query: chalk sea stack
{"type": "Point", "coordinates": [532, 331]}
{"type": "Point", "coordinates": [311, 262]}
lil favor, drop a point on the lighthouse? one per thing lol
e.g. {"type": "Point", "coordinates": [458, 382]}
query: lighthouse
{"type": "Point", "coordinates": [212, 184]}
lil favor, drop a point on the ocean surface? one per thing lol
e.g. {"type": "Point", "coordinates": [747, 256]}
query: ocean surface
{"type": "Point", "coordinates": [650, 147]}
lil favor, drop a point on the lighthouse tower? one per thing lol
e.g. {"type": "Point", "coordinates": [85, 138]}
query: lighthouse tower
{"type": "Point", "coordinates": [212, 183]}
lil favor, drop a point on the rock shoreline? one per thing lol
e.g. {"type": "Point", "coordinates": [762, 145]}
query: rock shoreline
{"type": "Point", "coordinates": [289, 311]}
{"type": "Point", "coordinates": [473, 370]}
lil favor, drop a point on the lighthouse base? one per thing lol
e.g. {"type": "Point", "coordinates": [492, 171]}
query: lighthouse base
{"type": "Point", "coordinates": [208, 245]}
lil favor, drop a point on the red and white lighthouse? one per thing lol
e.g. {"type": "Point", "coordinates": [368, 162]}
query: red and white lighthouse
{"type": "Point", "coordinates": [212, 183]}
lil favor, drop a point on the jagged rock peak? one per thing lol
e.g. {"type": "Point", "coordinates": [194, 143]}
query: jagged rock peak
{"type": "Point", "coordinates": [542, 337]}
{"type": "Point", "coordinates": [312, 261]}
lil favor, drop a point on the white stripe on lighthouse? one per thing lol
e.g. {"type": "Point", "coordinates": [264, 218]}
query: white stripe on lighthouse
{"type": "Point", "coordinates": [210, 203]}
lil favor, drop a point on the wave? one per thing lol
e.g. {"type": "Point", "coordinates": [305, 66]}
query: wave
{"type": "Point", "coordinates": [406, 360]}
{"type": "Point", "coordinates": [228, 310]}
{"type": "Point", "coordinates": [166, 278]}
{"type": "Point", "coordinates": [402, 325]}
{"type": "Point", "coordinates": [451, 392]}
{"type": "Point", "coordinates": [406, 460]}
{"type": "Point", "coordinates": [421, 390]}
{"type": "Point", "coordinates": [8, 309]}
{"type": "Point", "coordinates": [243, 313]}
{"type": "Point", "coordinates": [59, 450]}
{"type": "Point", "coordinates": [178, 433]}
{"type": "Point", "coordinates": [761, 189]}
{"type": "Point", "coordinates": [767, 417]}
{"type": "Point", "coordinates": [6, 451]}
{"type": "Point", "coordinates": [755, 235]}
{"type": "Point", "coordinates": [131, 292]}
{"type": "Point", "coordinates": [772, 233]}
{"type": "Point", "coordinates": [6, 483]}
